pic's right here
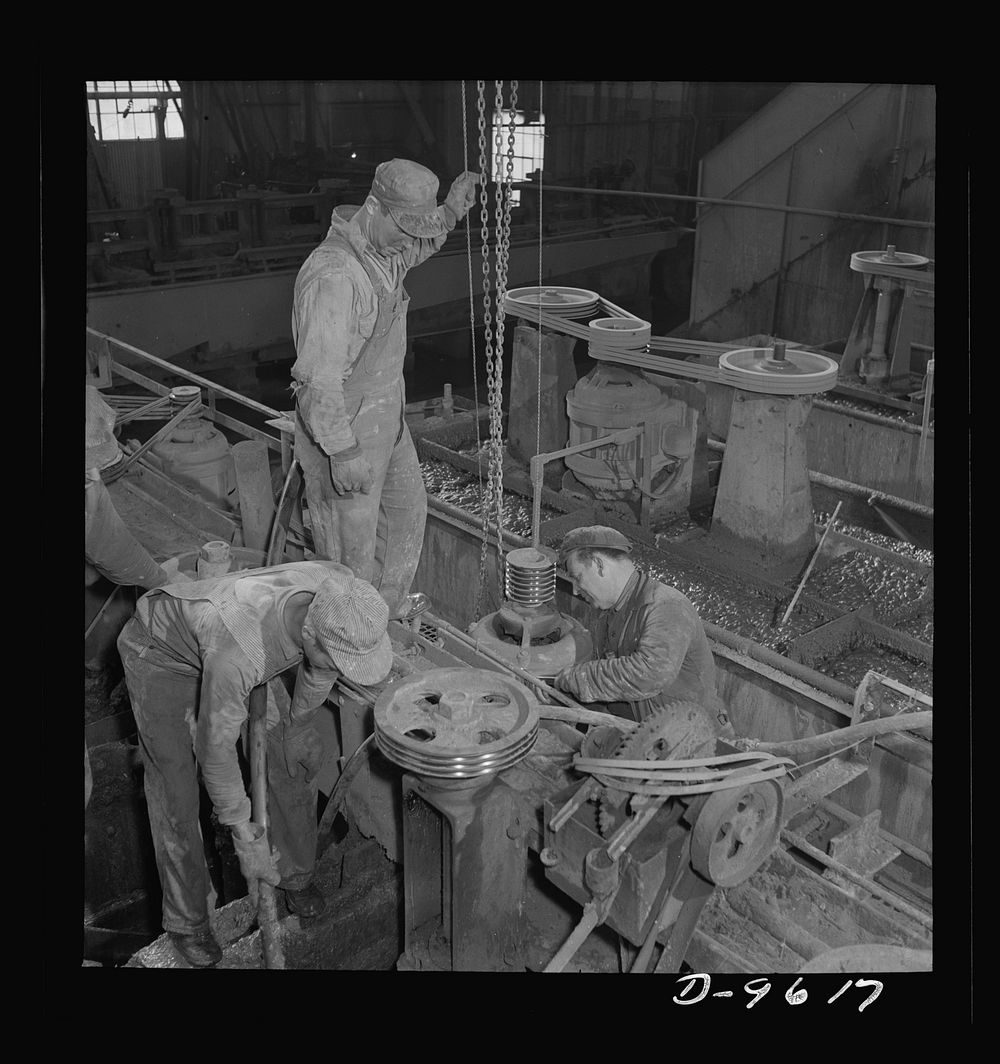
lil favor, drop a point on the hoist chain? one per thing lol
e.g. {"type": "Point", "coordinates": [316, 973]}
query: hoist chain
{"type": "Point", "coordinates": [484, 217]}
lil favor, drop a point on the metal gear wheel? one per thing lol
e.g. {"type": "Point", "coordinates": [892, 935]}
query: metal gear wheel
{"type": "Point", "coordinates": [678, 730]}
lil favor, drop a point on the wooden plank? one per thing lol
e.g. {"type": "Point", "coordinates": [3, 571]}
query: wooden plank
{"type": "Point", "coordinates": [707, 954]}
{"type": "Point", "coordinates": [253, 485]}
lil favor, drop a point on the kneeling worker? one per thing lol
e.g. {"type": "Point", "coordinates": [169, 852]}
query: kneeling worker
{"type": "Point", "coordinates": [192, 654]}
{"type": "Point", "coordinates": [650, 647]}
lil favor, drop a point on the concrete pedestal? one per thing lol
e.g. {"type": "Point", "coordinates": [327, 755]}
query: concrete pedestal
{"type": "Point", "coordinates": [763, 507]}
{"type": "Point", "coordinates": [558, 376]}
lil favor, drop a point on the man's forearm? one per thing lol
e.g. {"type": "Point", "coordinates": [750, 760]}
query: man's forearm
{"type": "Point", "coordinates": [323, 411]}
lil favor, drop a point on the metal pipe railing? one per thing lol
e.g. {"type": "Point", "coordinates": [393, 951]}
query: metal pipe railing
{"type": "Point", "coordinates": [218, 389]}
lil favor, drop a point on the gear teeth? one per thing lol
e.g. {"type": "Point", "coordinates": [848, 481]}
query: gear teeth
{"type": "Point", "coordinates": [688, 739]}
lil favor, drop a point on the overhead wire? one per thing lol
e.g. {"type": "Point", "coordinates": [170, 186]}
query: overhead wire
{"type": "Point", "coordinates": [472, 304]}
{"type": "Point", "coordinates": [538, 398]}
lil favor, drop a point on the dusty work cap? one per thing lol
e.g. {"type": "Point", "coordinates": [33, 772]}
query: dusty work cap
{"type": "Point", "coordinates": [101, 446]}
{"type": "Point", "coordinates": [349, 623]}
{"type": "Point", "coordinates": [593, 536]}
{"type": "Point", "coordinates": [409, 193]}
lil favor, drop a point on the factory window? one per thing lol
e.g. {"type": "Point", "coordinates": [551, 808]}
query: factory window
{"type": "Point", "coordinates": [529, 146]}
{"type": "Point", "coordinates": [127, 110]}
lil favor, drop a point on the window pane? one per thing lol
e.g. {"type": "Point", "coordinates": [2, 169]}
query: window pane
{"type": "Point", "coordinates": [173, 126]}
{"type": "Point", "coordinates": [145, 126]}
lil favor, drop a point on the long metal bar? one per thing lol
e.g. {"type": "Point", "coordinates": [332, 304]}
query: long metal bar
{"type": "Point", "coordinates": [812, 562]}
{"type": "Point", "coordinates": [715, 200]}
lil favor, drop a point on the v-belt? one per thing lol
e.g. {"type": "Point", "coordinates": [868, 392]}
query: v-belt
{"type": "Point", "coordinates": [804, 373]}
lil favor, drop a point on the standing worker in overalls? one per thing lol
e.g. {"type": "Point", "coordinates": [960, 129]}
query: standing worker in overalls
{"type": "Point", "coordinates": [364, 488]}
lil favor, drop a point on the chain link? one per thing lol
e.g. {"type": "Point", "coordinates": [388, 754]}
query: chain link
{"type": "Point", "coordinates": [484, 217]}
{"type": "Point", "coordinates": [503, 169]}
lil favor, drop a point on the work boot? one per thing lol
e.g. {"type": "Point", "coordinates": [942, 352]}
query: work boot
{"type": "Point", "coordinates": [198, 948]}
{"type": "Point", "coordinates": [412, 606]}
{"type": "Point", "coordinates": [307, 902]}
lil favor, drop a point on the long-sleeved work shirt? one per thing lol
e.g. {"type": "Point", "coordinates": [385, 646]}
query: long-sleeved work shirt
{"type": "Point", "coordinates": [232, 631]}
{"type": "Point", "coordinates": [650, 649]}
{"type": "Point", "coordinates": [111, 548]}
{"type": "Point", "coordinates": [334, 310]}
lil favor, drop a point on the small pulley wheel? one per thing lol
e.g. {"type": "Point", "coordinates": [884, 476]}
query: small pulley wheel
{"type": "Point", "coordinates": [620, 333]}
{"type": "Point", "coordinates": [736, 832]}
{"type": "Point", "coordinates": [871, 261]}
{"type": "Point", "coordinates": [553, 299]}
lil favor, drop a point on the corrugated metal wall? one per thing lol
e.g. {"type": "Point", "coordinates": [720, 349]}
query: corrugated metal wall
{"type": "Point", "coordinates": [133, 168]}
{"type": "Point", "coordinates": [831, 147]}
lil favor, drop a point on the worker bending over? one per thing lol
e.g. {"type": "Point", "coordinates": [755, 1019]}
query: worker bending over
{"type": "Point", "coordinates": [364, 488]}
{"type": "Point", "coordinates": [108, 544]}
{"type": "Point", "coordinates": [650, 647]}
{"type": "Point", "coordinates": [192, 654]}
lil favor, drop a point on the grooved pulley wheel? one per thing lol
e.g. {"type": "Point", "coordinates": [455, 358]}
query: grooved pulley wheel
{"type": "Point", "coordinates": [736, 831]}
{"type": "Point", "coordinates": [456, 723]}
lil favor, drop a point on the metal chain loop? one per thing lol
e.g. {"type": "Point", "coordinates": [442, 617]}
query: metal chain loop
{"type": "Point", "coordinates": [472, 304]}
{"type": "Point", "coordinates": [484, 217]}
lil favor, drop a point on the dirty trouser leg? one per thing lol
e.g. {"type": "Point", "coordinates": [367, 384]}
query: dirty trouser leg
{"type": "Point", "coordinates": [164, 702]}
{"type": "Point", "coordinates": [291, 814]}
{"type": "Point", "coordinates": [400, 531]}
{"type": "Point", "coordinates": [346, 525]}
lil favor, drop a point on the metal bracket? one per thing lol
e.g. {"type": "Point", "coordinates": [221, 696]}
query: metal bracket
{"type": "Point", "coordinates": [868, 699]}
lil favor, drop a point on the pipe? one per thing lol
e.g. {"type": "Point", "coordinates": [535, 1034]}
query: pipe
{"type": "Point", "coordinates": [910, 222]}
{"type": "Point", "coordinates": [267, 910]}
{"type": "Point", "coordinates": [858, 491]}
{"type": "Point", "coordinates": [588, 922]}
{"type": "Point", "coordinates": [777, 661]}
{"type": "Point", "coordinates": [831, 741]}
{"type": "Point", "coordinates": [872, 887]}
{"type": "Point", "coordinates": [867, 415]}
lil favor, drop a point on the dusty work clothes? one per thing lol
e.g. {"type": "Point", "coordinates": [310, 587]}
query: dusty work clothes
{"type": "Point", "coordinates": [349, 327]}
{"type": "Point", "coordinates": [650, 649]}
{"type": "Point", "coordinates": [192, 654]}
{"type": "Point", "coordinates": [111, 548]}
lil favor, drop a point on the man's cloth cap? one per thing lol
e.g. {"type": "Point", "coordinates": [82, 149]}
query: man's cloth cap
{"type": "Point", "coordinates": [408, 191]}
{"type": "Point", "coordinates": [349, 624]}
{"type": "Point", "coordinates": [593, 536]}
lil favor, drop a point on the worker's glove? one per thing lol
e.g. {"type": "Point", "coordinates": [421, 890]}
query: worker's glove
{"type": "Point", "coordinates": [462, 194]}
{"type": "Point", "coordinates": [257, 860]}
{"type": "Point", "coordinates": [350, 471]}
{"type": "Point", "coordinates": [303, 748]}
